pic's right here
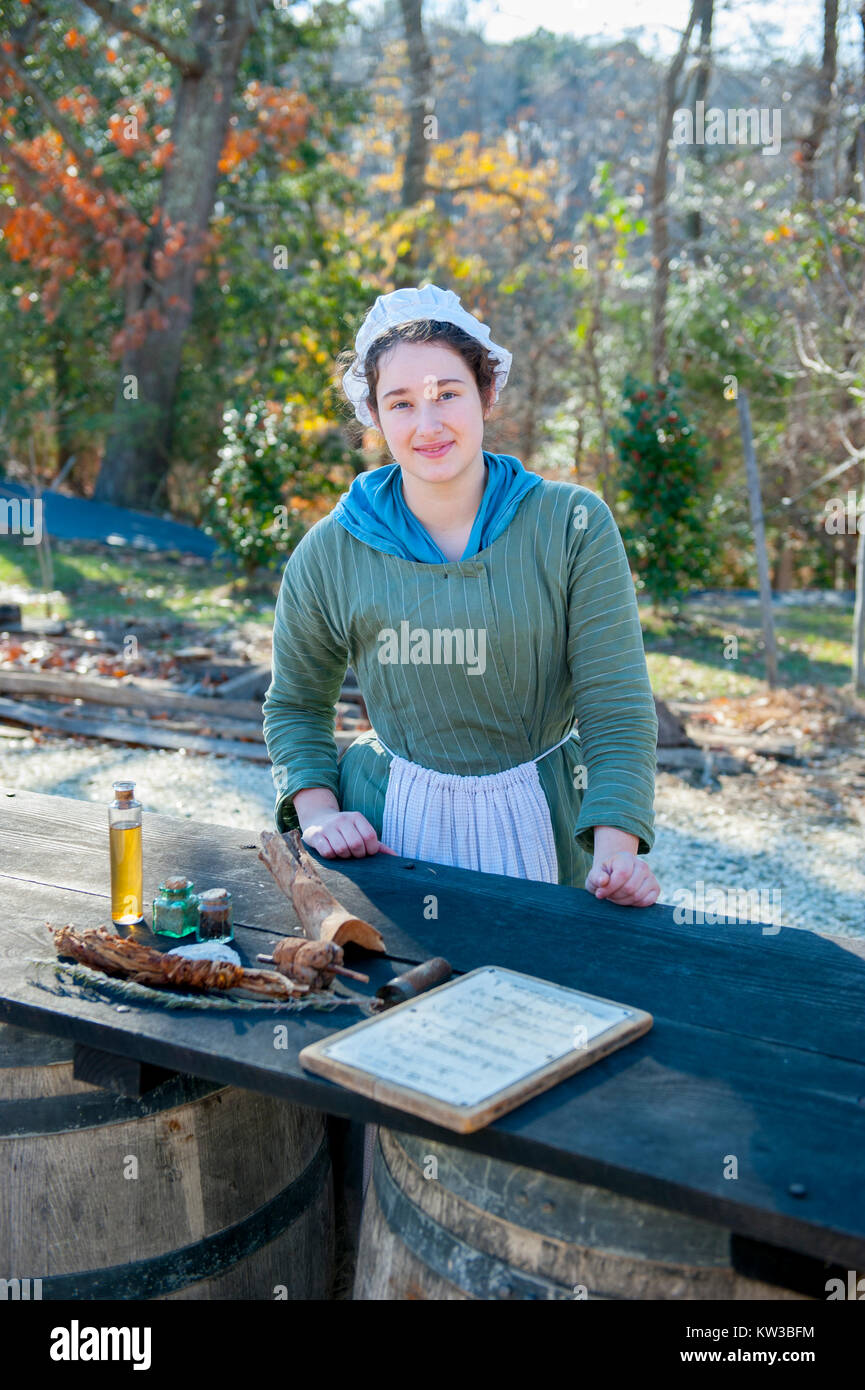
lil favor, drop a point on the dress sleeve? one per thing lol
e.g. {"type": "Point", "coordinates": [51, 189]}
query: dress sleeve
{"type": "Point", "coordinates": [310, 659]}
{"type": "Point", "coordinates": [613, 702]}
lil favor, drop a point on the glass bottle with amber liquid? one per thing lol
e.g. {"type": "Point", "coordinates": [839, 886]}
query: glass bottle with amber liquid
{"type": "Point", "coordinates": [127, 878]}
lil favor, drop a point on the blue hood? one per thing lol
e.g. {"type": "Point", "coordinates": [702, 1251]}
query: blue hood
{"type": "Point", "coordinates": [375, 510]}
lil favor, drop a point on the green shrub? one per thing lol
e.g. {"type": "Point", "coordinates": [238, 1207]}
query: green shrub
{"type": "Point", "coordinates": [666, 485]}
{"type": "Point", "coordinates": [269, 460]}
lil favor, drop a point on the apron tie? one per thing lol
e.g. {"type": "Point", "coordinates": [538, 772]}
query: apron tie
{"type": "Point", "coordinates": [496, 823]}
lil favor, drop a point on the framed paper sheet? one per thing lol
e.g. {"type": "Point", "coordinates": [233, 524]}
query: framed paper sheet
{"type": "Point", "coordinates": [475, 1048]}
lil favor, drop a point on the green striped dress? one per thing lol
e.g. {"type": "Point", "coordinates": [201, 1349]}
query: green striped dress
{"type": "Point", "coordinates": [472, 667]}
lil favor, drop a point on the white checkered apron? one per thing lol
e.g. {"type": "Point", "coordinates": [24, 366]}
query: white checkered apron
{"type": "Point", "coordinates": [496, 824]}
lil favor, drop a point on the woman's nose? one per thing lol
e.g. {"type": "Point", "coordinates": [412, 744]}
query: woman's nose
{"type": "Point", "coordinates": [428, 417]}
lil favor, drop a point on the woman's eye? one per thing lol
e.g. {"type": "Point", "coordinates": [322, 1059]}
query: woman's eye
{"type": "Point", "coordinates": [397, 404]}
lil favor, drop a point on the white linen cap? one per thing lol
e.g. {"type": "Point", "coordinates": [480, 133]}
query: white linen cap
{"type": "Point", "coordinates": [407, 306]}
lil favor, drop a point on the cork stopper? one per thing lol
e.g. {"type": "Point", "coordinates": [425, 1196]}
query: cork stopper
{"type": "Point", "coordinates": [214, 897]}
{"type": "Point", "coordinates": [176, 885]}
{"type": "Point", "coordinates": [123, 791]}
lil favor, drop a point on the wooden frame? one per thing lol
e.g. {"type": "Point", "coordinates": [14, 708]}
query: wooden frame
{"type": "Point", "coordinates": [465, 1117]}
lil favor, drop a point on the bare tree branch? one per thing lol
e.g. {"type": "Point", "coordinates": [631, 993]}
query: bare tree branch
{"type": "Point", "coordinates": [187, 57]}
{"type": "Point", "coordinates": [855, 454]}
{"type": "Point", "coordinates": [815, 362]}
{"type": "Point", "coordinates": [479, 186]}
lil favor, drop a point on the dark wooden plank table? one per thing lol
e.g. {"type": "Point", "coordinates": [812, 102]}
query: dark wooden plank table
{"type": "Point", "coordinates": [757, 1050]}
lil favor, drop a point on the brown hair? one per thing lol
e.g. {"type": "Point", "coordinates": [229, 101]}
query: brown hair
{"type": "Point", "coordinates": [474, 354]}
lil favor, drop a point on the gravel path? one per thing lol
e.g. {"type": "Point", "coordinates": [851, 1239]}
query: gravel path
{"type": "Point", "coordinates": [758, 835]}
{"type": "Point", "coordinates": [780, 836]}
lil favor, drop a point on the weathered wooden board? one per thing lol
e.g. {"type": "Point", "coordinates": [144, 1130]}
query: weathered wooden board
{"type": "Point", "coordinates": [52, 716]}
{"type": "Point", "coordinates": [144, 735]}
{"type": "Point", "coordinates": [697, 758]}
{"type": "Point", "coordinates": [130, 693]}
{"type": "Point", "coordinates": [756, 1049]}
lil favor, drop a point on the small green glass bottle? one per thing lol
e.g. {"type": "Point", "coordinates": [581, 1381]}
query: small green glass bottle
{"type": "Point", "coordinates": [175, 910]}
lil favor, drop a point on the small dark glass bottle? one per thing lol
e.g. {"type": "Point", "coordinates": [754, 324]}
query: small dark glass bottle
{"type": "Point", "coordinates": [215, 915]}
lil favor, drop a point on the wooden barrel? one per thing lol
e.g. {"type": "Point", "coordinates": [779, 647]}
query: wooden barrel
{"type": "Point", "coordinates": [195, 1191]}
{"type": "Point", "coordinates": [485, 1229]}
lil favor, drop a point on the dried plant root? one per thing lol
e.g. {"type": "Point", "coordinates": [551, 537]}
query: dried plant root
{"type": "Point", "coordinates": [128, 959]}
{"type": "Point", "coordinates": [311, 963]}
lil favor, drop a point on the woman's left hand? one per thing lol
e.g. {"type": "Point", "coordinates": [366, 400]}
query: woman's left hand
{"type": "Point", "coordinates": [623, 878]}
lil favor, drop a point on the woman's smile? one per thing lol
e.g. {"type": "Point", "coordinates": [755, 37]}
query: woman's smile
{"type": "Point", "coordinates": [434, 451]}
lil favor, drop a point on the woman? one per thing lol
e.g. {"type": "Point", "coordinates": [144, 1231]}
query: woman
{"type": "Point", "coordinates": [481, 606]}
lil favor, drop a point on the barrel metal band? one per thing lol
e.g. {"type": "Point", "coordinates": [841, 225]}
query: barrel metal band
{"type": "Point", "coordinates": [176, 1269]}
{"type": "Point", "coordinates": [474, 1271]}
{"type": "Point", "coordinates": [86, 1110]}
{"type": "Point", "coordinates": [482, 1275]}
{"type": "Point", "coordinates": [771, 1264]}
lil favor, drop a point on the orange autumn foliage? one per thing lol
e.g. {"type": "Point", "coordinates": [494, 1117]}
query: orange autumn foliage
{"type": "Point", "coordinates": [282, 116]}
{"type": "Point", "coordinates": [126, 141]}
{"type": "Point", "coordinates": [79, 103]}
{"type": "Point", "coordinates": [162, 154]}
{"type": "Point", "coordinates": [239, 145]}
{"type": "Point", "coordinates": [68, 223]}
{"type": "Point", "coordinates": [64, 219]}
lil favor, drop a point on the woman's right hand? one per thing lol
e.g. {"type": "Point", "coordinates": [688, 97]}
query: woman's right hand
{"type": "Point", "coordinates": [343, 834]}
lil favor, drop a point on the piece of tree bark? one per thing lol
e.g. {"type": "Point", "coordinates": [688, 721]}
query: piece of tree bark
{"type": "Point", "coordinates": [322, 916]}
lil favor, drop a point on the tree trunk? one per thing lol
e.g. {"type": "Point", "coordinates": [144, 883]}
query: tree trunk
{"type": "Point", "coordinates": [660, 230]}
{"type": "Point", "coordinates": [810, 145]}
{"type": "Point", "coordinates": [137, 453]}
{"type": "Point", "coordinates": [783, 581]}
{"type": "Point", "coordinates": [598, 287]}
{"type": "Point", "coordinates": [859, 610]}
{"type": "Point", "coordinates": [578, 441]}
{"type": "Point", "coordinates": [856, 148]}
{"type": "Point", "coordinates": [531, 383]}
{"type": "Point", "coordinates": [64, 429]}
{"type": "Point", "coordinates": [701, 88]}
{"type": "Point", "coordinates": [414, 188]}
{"type": "Point", "coordinates": [756, 505]}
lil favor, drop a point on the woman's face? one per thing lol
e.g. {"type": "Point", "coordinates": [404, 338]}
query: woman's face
{"type": "Point", "coordinates": [427, 396]}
